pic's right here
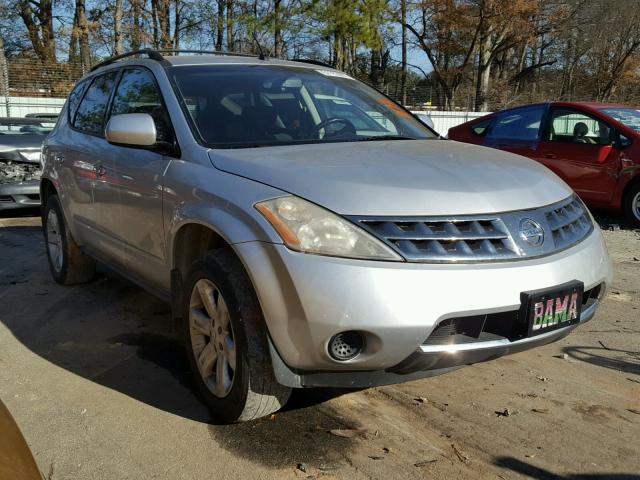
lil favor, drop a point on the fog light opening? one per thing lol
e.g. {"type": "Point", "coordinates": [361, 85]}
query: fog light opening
{"type": "Point", "coordinates": [346, 345]}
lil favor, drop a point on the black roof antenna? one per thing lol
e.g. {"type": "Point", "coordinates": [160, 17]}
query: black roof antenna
{"type": "Point", "coordinates": [262, 55]}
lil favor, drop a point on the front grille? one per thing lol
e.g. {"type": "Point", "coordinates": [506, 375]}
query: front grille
{"type": "Point", "coordinates": [492, 326]}
{"type": "Point", "coordinates": [568, 222]}
{"type": "Point", "coordinates": [482, 238]}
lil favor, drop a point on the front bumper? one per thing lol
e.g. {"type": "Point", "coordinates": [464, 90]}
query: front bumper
{"type": "Point", "coordinates": [20, 195]}
{"type": "Point", "coordinates": [306, 299]}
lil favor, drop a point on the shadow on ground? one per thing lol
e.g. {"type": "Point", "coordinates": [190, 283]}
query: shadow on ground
{"type": "Point", "coordinates": [611, 220]}
{"type": "Point", "coordinates": [117, 335]}
{"type": "Point", "coordinates": [20, 213]}
{"type": "Point", "coordinates": [615, 359]}
{"type": "Point", "coordinates": [531, 471]}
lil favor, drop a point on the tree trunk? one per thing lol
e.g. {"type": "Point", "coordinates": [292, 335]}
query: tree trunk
{"type": "Point", "coordinates": [73, 40]}
{"type": "Point", "coordinates": [118, 37]}
{"type": "Point", "coordinates": [176, 26]}
{"type": "Point", "coordinates": [278, 44]}
{"type": "Point", "coordinates": [230, 26]}
{"type": "Point", "coordinates": [136, 40]}
{"type": "Point", "coordinates": [83, 35]}
{"type": "Point", "coordinates": [484, 74]}
{"type": "Point", "coordinates": [220, 25]}
{"type": "Point", "coordinates": [403, 73]}
{"type": "Point", "coordinates": [154, 21]}
{"type": "Point", "coordinates": [164, 23]}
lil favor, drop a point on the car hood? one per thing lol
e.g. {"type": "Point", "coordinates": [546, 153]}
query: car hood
{"type": "Point", "coordinates": [19, 142]}
{"type": "Point", "coordinates": [399, 177]}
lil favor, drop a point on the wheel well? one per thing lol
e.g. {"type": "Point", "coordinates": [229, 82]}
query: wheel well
{"type": "Point", "coordinates": [46, 189]}
{"type": "Point", "coordinates": [193, 241]}
{"type": "Point", "coordinates": [632, 183]}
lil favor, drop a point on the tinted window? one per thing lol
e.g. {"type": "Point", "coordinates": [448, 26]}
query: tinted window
{"type": "Point", "coordinates": [248, 106]}
{"type": "Point", "coordinates": [480, 128]}
{"type": "Point", "coordinates": [137, 92]}
{"type": "Point", "coordinates": [520, 124]}
{"type": "Point", "coordinates": [90, 115]}
{"type": "Point", "coordinates": [573, 126]}
{"type": "Point", "coordinates": [75, 96]}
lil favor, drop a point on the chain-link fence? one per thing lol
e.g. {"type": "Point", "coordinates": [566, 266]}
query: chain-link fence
{"type": "Point", "coordinates": [28, 85]}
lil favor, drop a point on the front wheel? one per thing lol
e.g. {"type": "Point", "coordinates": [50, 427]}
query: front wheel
{"type": "Point", "coordinates": [226, 341]}
{"type": "Point", "coordinates": [68, 264]}
{"type": "Point", "coordinates": [631, 204]}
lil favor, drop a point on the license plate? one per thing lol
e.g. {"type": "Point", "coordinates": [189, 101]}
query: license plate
{"type": "Point", "coordinates": [552, 308]}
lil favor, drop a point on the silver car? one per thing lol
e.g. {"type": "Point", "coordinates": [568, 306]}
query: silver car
{"type": "Point", "coordinates": [307, 230]}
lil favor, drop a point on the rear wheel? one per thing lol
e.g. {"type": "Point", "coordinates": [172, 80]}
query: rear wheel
{"type": "Point", "coordinates": [68, 264]}
{"type": "Point", "coordinates": [631, 204]}
{"type": "Point", "coordinates": [226, 341]}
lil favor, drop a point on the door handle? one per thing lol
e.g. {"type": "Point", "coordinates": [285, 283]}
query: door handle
{"type": "Point", "coordinates": [550, 155]}
{"type": "Point", "coordinates": [100, 170]}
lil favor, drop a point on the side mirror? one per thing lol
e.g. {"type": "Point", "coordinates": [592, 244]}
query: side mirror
{"type": "Point", "coordinates": [604, 152]}
{"type": "Point", "coordinates": [131, 129]}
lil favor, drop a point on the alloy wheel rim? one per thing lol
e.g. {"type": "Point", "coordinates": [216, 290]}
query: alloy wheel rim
{"type": "Point", "coordinates": [212, 338]}
{"type": "Point", "coordinates": [54, 240]}
{"type": "Point", "coordinates": [635, 205]}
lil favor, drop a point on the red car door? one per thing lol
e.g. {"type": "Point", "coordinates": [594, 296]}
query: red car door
{"type": "Point", "coordinates": [580, 148]}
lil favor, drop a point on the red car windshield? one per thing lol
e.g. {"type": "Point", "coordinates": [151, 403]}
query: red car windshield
{"type": "Point", "coordinates": [629, 117]}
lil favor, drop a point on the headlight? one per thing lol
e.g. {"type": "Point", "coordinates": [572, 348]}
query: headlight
{"type": "Point", "coordinates": [305, 227]}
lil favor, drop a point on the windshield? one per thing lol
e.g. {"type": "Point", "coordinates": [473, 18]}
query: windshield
{"type": "Point", "coordinates": [234, 106]}
{"type": "Point", "coordinates": [629, 117]}
{"type": "Point", "coordinates": [16, 127]}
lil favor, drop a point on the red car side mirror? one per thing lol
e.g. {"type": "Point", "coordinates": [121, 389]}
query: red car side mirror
{"type": "Point", "coordinates": [604, 152]}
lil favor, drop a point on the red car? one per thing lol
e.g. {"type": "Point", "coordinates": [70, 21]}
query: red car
{"type": "Point", "coordinates": [594, 147]}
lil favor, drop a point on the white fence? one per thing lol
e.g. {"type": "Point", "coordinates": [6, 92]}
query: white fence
{"type": "Point", "coordinates": [20, 106]}
{"type": "Point", "coordinates": [443, 121]}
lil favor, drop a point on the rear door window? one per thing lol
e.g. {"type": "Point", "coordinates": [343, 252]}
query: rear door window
{"type": "Point", "coordinates": [137, 92]}
{"type": "Point", "coordinates": [520, 124]}
{"type": "Point", "coordinates": [90, 115]}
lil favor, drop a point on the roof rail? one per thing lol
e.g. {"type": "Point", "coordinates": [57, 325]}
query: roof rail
{"type": "Point", "coordinates": [152, 54]}
{"type": "Point", "coordinates": [208, 52]}
{"type": "Point", "coordinates": [312, 62]}
{"type": "Point", "coordinates": [157, 55]}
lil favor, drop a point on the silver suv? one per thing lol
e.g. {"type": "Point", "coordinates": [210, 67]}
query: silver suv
{"type": "Point", "coordinates": [307, 230]}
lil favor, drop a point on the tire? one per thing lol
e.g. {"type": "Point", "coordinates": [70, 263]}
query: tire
{"type": "Point", "coordinates": [232, 335]}
{"type": "Point", "coordinates": [68, 264]}
{"type": "Point", "coordinates": [631, 204]}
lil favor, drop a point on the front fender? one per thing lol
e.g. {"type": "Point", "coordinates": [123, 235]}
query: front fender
{"type": "Point", "coordinates": [222, 202]}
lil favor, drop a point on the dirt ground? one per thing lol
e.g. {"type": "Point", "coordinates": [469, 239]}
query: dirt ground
{"type": "Point", "coordinates": [96, 379]}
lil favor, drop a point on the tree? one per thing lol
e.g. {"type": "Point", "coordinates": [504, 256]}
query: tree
{"type": "Point", "coordinates": [38, 18]}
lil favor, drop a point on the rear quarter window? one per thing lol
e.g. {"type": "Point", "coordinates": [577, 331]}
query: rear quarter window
{"type": "Point", "coordinates": [480, 128]}
{"type": "Point", "coordinates": [89, 117]}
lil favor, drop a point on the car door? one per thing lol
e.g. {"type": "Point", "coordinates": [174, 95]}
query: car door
{"type": "Point", "coordinates": [581, 149]}
{"type": "Point", "coordinates": [85, 150]}
{"type": "Point", "coordinates": [136, 175]}
{"type": "Point", "coordinates": [516, 130]}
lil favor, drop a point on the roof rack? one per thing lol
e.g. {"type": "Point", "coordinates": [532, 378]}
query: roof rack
{"type": "Point", "coordinates": [208, 52]}
{"type": "Point", "coordinates": [152, 54]}
{"type": "Point", "coordinates": [312, 62]}
{"type": "Point", "coordinates": [157, 55]}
